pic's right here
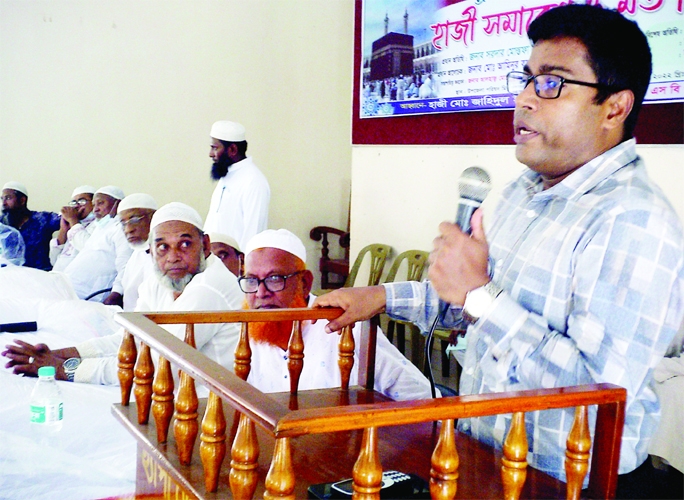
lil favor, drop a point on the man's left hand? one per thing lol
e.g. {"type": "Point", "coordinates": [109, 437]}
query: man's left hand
{"type": "Point", "coordinates": [458, 262]}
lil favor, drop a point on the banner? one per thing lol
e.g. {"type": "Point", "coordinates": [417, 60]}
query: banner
{"type": "Point", "coordinates": [422, 56]}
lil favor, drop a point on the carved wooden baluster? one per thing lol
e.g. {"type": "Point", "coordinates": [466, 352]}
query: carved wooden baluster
{"type": "Point", "coordinates": [444, 470]}
{"type": "Point", "coordinates": [295, 356]}
{"type": "Point", "coordinates": [514, 461]}
{"type": "Point", "coordinates": [190, 335]}
{"type": "Point", "coordinates": [243, 354]}
{"type": "Point", "coordinates": [127, 354]}
{"type": "Point", "coordinates": [144, 372]}
{"type": "Point", "coordinates": [367, 471]}
{"type": "Point", "coordinates": [162, 397]}
{"type": "Point", "coordinates": [244, 460]}
{"type": "Point", "coordinates": [280, 480]}
{"type": "Point", "coordinates": [577, 453]}
{"type": "Point", "coordinates": [213, 445]}
{"type": "Point", "coordinates": [346, 356]}
{"type": "Point", "coordinates": [185, 426]}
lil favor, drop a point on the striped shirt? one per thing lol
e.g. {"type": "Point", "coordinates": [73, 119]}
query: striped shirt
{"type": "Point", "coordinates": [593, 277]}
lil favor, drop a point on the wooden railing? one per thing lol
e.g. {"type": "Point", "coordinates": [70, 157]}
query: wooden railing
{"type": "Point", "coordinates": [154, 393]}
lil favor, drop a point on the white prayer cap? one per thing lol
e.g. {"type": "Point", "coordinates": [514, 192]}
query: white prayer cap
{"type": "Point", "coordinates": [224, 238]}
{"type": "Point", "coordinates": [113, 191]}
{"type": "Point", "coordinates": [228, 131]}
{"type": "Point", "coordinates": [176, 211]}
{"type": "Point", "coordinates": [85, 189]}
{"type": "Point", "coordinates": [137, 200]}
{"type": "Point", "coordinates": [17, 186]}
{"type": "Point", "coordinates": [277, 238]}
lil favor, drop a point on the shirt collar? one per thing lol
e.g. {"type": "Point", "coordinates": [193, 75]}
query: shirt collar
{"type": "Point", "coordinates": [585, 178]}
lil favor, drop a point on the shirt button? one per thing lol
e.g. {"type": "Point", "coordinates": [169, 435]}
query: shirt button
{"type": "Point", "coordinates": [466, 427]}
{"type": "Point", "coordinates": [531, 214]}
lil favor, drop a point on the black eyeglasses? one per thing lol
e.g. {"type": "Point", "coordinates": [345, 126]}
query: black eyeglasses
{"type": "Point", "coordinates": [78, 203]}
{"type": "Point", "coordinates": [274, 283]}
{"type": "Point", "coordinates": [545, 86]}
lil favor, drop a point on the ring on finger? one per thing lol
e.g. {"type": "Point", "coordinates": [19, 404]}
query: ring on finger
{"type": "Point", "coordinates": [30, 360]}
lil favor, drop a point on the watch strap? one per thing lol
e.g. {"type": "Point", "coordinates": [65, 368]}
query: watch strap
{"type": "Point", "coordinates": [492, 289]}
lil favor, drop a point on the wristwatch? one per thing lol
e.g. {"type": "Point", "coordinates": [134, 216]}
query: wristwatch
{"type": "Point", "coordinates": [70, 366]}
{"type": "Point", "coordinates": [477, 301]}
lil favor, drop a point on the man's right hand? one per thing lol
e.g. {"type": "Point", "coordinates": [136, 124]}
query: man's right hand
{"type": "Point", "coordinates": [358, 303]}
{"type": "Point", "coordinates": [70, 215]}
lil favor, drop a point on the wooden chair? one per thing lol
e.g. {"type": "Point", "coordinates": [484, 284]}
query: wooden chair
{"type": "Point", "coordinates": [327, 266]}
{"type": "Point", "coordinates": [325, 435]}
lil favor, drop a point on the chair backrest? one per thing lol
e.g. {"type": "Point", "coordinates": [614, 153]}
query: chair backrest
{"type": "Point", "coordinates": [415, 260]}
{"type": "Point", "coordinates": [379, 254]}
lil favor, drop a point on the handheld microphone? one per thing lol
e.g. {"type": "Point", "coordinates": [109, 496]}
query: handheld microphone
{"type": "Point", "coordinates": [473, 187]}
{"type": "Point", "coordinates": [26, 326]}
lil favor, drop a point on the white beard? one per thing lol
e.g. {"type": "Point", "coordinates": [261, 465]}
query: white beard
{"type": "Point", "coordinates": [179, 284]}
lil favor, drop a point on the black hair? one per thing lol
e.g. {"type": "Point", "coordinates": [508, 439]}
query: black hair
{"type": "Point", "coordinates": [241, 146]}
{"type": "Point", "coordinates": [618, 50]}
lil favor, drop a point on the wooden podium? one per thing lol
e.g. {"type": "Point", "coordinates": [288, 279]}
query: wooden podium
{"type": "Point", "coordinates": [276, 445]}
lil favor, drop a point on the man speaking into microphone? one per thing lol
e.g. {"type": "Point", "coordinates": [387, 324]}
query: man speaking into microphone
{"type": "Point", "coordinates": [580, 277]}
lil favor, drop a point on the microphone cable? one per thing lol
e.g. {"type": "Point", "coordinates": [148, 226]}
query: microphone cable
{"type": "Point", "coordinates": [428, 358]}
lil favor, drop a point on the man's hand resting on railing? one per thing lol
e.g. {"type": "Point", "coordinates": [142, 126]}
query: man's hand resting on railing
{"type": "Point", "coordinates": [358, 303]}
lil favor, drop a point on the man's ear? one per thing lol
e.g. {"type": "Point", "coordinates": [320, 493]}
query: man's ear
{"type": "Point", "coordinates": [618, 108]}
{"type": "Point", "coordinates": [232, 151]}
{"type": "Point", "coordinates": [206, 243]}
{"type": "Point", "coordinates": [307, 281]}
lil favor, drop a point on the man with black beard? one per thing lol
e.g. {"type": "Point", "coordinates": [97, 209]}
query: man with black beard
{"type": "Point", "coordinates": [35, 227]}
{"type": "Point", "coordinates": [239, 205]}
{"type": "Point", "coordinates": [187, 278]}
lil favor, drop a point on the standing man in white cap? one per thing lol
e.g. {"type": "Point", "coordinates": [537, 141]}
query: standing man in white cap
{"type": "Point", "coordinates": [35, 227]}
{"type": "Point", "coordinates": [100, 263]}
{"type": "Point", "coordinates": [276, 277]}
{"type": "Point", "coordinates": [187, 278]}
{"type": "Point", "coordinates": [78, 211]}
{"type": "Point", "coordinates": [135, 214]}
{"type": "Point", "coordinates": [239, 205]}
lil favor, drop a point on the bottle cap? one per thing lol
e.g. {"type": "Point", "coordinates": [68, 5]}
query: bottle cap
{"type": "Point", "coordinates": [46, 371]}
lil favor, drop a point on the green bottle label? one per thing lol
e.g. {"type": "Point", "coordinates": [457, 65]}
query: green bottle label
{"type": "Point", "coordinates": [47, 414]}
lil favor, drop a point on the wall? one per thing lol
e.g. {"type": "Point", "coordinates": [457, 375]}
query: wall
{"type": "Point", "coordinates": [125, 91]}
{"type": "Point", "coordinates": [401, 193]}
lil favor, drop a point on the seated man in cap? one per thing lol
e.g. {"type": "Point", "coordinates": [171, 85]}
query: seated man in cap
{"type": "Point", "coordinates": [239, 205]}
{"type": "Point", "coordinates": [135, 214]}
{"type": "Point", "coordinates": [100, 263]}
{"type": "Point", "coordinates": [187, 278]}
{"type": "Point", "coordinates": [276, 277]}
{"type": "Point", "coordinates": [35, 227]}
{"type": "Point", "coordinates": [227, 249]}
{"type": "Point", "coordinates": [78, 211]}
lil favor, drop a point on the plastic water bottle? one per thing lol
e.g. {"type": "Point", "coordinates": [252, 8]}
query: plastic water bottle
{"type": "Point", "coordinates": [46, 403]}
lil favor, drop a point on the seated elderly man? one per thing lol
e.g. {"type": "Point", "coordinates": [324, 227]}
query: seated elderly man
{"type": "Point", "coordinates": [78, 211]}
{"type": "Point", "coordinates": [276, 277]}
{"type": "Point", "coordinates": [187, 278]}
{"type": "Point", "coordinates": [227, 249]}
{"type": "Point", "coordinates": [36, 228]}
{"type": "Point", "coordinates": [100, 264]}
{"type": "Point", "coordinates": [135, 215]}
